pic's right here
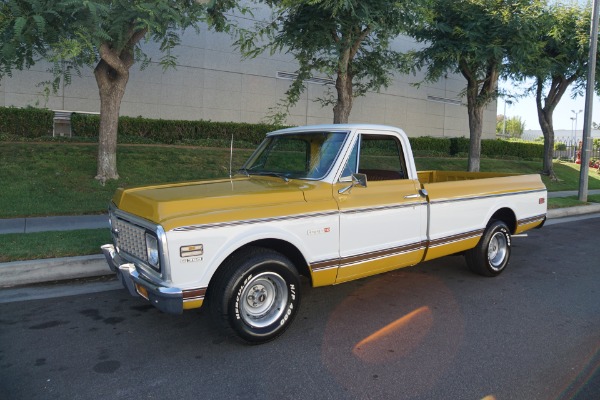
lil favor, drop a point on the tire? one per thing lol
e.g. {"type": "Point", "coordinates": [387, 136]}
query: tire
{"type": "Point", "coordinates": [256, 294]}
{"type": "Point", "coordinates": [491, 255]}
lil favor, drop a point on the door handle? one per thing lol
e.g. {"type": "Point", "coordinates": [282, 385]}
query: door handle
{"type": "Point", "coordinates": [411, 196]}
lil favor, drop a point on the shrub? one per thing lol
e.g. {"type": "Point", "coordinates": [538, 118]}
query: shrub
{"type": "Point", "coordinates": [26, 122]}
{"type": "Point", "coordinates": [559, 146]}
{"type": "Point", "coordinates": [30, 123]}
{"type": "Point", "coordinates": [174, 131]}
{"type": "Point", "coordinates": [501, 149]}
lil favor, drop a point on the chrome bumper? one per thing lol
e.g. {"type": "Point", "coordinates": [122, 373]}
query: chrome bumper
{"type": "Point", "coordinates": [166, 299]}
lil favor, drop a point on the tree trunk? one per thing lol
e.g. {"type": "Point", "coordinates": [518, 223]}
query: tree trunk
{"type": "Point", "coordinates": [545, 109]}
{"type": "Point", "coordinates": [343, 106]}
{"type": "Point", "coordinates": [112, 74]}
{"type": "Point", "coordinates": [111, 86]}
{"type": "Point", "coordinates": [545, 120]}
{"type": "Point", "coordinates": [479, 94]}
{"type": "Point", "coordinates": [475, 129]}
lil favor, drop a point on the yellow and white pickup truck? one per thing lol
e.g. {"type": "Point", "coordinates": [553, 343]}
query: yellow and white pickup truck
{"type": "Point", "coordinates": [332, 203]}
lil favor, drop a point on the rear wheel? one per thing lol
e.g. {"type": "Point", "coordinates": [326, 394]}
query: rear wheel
{"type": "Point", "coordinates": [256, 295]}
{"type": "Point", "coordinates": [491, 255]}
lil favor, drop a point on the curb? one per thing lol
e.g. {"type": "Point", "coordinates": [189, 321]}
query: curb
{"type": "Point", "coordinates": [52, 269]}
{"type": "Point", "coordinates": [572, 211]}
{"type": "Point", "coordinates": [55, 269]}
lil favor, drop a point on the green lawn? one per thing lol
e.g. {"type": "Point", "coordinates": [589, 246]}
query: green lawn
{"type": "Point", "coordinates": [58, 178]}
{"type": "Point", "coordinates": [41, 179]}
{"type": "Point", "coordinates": [30, 246]}
{"type": "Point", "coordinates": [571, 201]}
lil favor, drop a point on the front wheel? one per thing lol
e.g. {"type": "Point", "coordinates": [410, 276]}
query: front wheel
{"type": "Point", "coordinates": [492, 253]}
{"type": "Point", "coordinates": [256, 294]}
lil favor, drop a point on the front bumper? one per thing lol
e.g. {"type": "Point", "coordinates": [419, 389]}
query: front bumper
{"type": "Point", "coordinates": [166, 299]}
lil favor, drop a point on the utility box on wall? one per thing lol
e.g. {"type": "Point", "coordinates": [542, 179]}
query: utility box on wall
{"type": "Point", "coordinates": [62, 123]}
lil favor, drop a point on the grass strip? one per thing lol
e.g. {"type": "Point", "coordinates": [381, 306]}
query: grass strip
{"type": "Point", "coordinates": [571, 201]}
{"type": "Point", "coordinates": [39, 245]}
{"type": "Point", "coordinates": [44, 179]}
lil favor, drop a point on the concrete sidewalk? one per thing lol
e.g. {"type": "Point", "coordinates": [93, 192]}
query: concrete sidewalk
{"type": "Point", "coordinates": [60, 223]}
{"type": "Point", "coordinates": [54, 269]}
{"type": "Point", "coordinates": [568, 193]}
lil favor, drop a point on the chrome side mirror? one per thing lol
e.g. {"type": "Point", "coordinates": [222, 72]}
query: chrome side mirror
{"type": "Point", "coordinates": [358, 180]}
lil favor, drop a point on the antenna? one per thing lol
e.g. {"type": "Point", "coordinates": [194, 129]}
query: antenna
{"type": "Point", "coordinates": [231, 157]}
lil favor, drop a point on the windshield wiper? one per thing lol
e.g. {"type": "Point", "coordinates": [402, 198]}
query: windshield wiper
{"type": "Point", "coordinates": [276, 174]}
{"type": "Point", "coordinates": [244, 171]}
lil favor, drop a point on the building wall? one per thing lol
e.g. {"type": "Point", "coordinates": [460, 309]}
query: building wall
{"type": "Point", "coordinates": [211, 82]}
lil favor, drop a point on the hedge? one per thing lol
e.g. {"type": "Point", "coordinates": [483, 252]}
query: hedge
{"type": "Point", "coordinates": [26, 122]}
{"type": "Point", "coordinates": [174, 131]}
{"type": "Point", "coordinates": [35, 123]}
{"type": "Point", "coordinates": [492, 148]}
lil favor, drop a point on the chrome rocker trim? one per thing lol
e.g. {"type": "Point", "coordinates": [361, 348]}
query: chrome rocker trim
{"type": "Point", "coordinates": [166, 299]}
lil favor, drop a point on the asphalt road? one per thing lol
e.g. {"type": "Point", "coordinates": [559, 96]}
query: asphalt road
{"type": "Point", "coordinates": [434, 331]}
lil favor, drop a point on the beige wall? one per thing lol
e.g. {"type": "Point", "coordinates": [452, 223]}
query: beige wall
{"type": "Point", "coordinates": [211, 82]}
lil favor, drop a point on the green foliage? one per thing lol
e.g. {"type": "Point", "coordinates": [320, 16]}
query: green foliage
{"type": "Point", "coordinates": [506, 149]}
{"type": "Point", "coordinates": [36, 123]}
{"type": "Point", "coordinates": [559, 146]}
{"type": "Point", "coordinates": [426, 145]}
{"type": "Point", "coordinates": [176, 131]}
{"type": "Point", "coordinates": [473, 38]}
{"type": "Point", "coordinates": [492, 148]}
{"type": "Point", "coordinates": [26, 28]}
{"type": "Point", "coordinates": [345, 40]}
{"type": "Point", "coordinates": [31, 123]}
{"type": "Point", "coordinates": [514, 126]}
{"type": "Point", "coordinates": [26, 122]}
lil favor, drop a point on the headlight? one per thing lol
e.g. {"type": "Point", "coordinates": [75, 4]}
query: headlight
{"type": "Point", "coordinates": [152, 249]}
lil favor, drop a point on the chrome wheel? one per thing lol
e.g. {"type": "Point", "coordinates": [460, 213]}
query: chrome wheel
{"type": "Point", "coordinates": [491, 255]}
{"type": "Point", "coordinates": [497, 251]}
{"type": "Point", "coordinates": [263, 299]}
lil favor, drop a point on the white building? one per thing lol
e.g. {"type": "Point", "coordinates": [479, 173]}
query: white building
{"type": "Point", "coordinates": [211, 82]}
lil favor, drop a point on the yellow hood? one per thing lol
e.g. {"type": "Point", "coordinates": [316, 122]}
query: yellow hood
{"type": "Point", "coordinates": [204, 202]}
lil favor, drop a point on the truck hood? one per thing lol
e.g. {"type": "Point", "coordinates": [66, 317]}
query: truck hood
{"type": "Point", "coordinates": [205, 202]}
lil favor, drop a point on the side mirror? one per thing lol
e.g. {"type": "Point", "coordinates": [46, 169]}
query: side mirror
{"type": "Point", "coordinates": [359, 180]}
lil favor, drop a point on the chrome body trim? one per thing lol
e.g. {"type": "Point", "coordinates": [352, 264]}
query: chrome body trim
{"type": "Point", "coordinates": [152, 274]}
{"type": "Point", "coordinates": [166, 299]}
{"type": "Point", "coordinates": [487, 196]}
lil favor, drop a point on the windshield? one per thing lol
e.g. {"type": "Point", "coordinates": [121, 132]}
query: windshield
{"type": "Point", "coordinates": [303, 155]}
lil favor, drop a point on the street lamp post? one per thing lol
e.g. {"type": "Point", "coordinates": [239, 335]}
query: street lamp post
{"type": "Point", "coordinates": [504, 118]}
{"type": "Point", "coordinates": [575, 131]}
{"type": "Point", "coordinates": [573, 146]}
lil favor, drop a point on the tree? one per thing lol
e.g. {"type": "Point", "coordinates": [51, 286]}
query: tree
{"type": "Point", "coordinates": [560, 61]}
{"type": "Point", "coordinates": [347, 40]}
{"type": "Point", "coordinates": [473, 38]}
{"type": "Point", "coordinates": [514, 126]}
{"type": "Point", "coordinates": [105, 35]}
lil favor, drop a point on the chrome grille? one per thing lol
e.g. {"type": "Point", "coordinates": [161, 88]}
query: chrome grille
{"type": "Point", "coordinates": [131, 239]}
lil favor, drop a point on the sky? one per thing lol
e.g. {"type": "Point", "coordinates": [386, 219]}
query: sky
{"type": "Point", "coordinates": [527, 110]}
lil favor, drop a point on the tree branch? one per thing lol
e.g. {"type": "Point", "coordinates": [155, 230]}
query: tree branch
{"type": "Point", "coordinates": [357, 42]}
{"type": "Point", "coordinates": [110, 57]}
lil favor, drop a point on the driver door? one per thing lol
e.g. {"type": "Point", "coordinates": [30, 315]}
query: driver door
{"type": "Point", "coordinates": [381, 225]}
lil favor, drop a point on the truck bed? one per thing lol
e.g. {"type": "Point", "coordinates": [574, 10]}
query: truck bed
{"type": "Point", "coordinates": [434, 176]}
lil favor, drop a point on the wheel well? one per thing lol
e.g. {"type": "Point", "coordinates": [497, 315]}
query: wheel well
{"type": "Point", "coordinates": [282, 247]}
{"type": "Point", "coordinates": [507, 216]}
